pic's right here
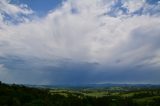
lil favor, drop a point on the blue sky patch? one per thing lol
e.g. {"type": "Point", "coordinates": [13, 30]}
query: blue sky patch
{"type": "Point", "coordinates": [41, 7]}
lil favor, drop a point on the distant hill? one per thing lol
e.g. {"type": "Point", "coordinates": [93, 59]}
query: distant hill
{"type": "Point", "coordinates": [107, 85]}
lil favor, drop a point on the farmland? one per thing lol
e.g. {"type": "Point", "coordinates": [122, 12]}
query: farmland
{"type": "Point", "coordinates": [22, 95]}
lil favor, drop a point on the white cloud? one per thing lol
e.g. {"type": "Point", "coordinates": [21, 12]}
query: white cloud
{"type": "Point", "coordinates": [12, 13]}
{"type": "Point", "coordinates": [133, 5]}
{"type": "Point", "coordinates": [12, 9]}
{"type": "Point", "coordinates": [85, 34]}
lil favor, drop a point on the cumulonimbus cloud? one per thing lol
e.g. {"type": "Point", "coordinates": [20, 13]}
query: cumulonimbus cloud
{"type": "Point", "coordinates": [84, 31]}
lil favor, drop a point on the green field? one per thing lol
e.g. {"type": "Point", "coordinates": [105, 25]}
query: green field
{"type": "Point", "coordinates": [137, 96]}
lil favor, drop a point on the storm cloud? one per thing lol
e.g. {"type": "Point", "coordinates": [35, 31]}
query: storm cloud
{"type": "Point", "coordinates": [80, 42]}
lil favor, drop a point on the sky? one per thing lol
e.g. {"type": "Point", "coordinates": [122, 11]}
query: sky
{"type": "Point", "coordinates": [51, 42]}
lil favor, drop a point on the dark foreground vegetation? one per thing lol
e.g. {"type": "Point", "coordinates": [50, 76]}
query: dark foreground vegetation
{"type": "Point", "coordinates": [18, 95]}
